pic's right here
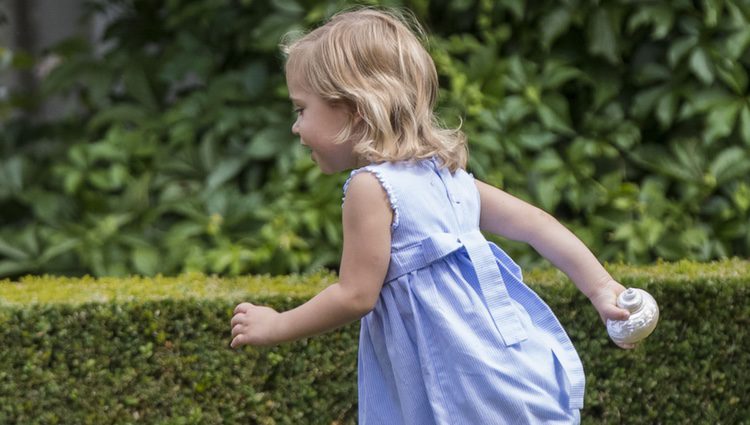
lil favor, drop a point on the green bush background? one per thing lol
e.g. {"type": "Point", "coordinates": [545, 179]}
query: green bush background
{"type": "Point", "coordinates": [156, 350]}
{"type": "Point", "coordinates": [628, 120]}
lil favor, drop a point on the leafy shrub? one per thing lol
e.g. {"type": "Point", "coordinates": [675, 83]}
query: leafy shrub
{"type": "Point", "coordinates": [628, 120]}
{"type": "Point", "coordinates": [142, 350]}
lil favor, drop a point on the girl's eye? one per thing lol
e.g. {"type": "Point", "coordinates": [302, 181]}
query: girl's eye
{"type": "Point", "coordinates": [298, 111]}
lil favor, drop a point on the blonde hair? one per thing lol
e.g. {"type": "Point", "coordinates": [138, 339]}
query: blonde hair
{"type": "Point", "coordinates": [374, 62]}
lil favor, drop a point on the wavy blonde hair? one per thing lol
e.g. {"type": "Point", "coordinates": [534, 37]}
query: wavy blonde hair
{"type": "Point", "coordinates": [373, 61]}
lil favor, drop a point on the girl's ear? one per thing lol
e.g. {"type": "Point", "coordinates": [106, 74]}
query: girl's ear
{"type": "Point", "coordinates": [357, 116]}
{"type": "Point", "coordinates": [358, 125]}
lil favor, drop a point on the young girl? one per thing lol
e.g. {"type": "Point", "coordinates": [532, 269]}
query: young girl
{"type": "Point", "coordinates": [449, 332]}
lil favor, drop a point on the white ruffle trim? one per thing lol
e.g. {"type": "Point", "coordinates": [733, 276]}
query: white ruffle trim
{"type": "Point", "coordinates": [388, 190]}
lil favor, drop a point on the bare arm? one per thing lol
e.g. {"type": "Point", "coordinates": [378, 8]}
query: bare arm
{"type": "Point", "coordinates": [367, 241]}
{"type": "Point", "coordinates": [510, 217]}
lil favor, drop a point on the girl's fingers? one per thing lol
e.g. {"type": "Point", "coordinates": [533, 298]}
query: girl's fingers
{"type": "Point", "coordinates": [618, 313]}
{"type": "Point", "coordinates": [243, 308]}
{"type": "Point", "coordinates": [236, 341]}
{"type": "Point", "coordinates": [237, 318]}
{"type": "Point", "coordinates": [236, 330]}
{"type": "Point", "coordinates": [627, 346]}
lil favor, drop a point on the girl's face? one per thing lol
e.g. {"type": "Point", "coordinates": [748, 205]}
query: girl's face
{"type": "Point", "coordinates": [318, 123]}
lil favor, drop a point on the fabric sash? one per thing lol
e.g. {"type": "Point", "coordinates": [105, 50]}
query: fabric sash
{"type": "Point", "coordinates": [486, 269]}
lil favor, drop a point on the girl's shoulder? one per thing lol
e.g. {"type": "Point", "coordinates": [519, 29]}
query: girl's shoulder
{"type": "Point", "coordinates": [385, 173]}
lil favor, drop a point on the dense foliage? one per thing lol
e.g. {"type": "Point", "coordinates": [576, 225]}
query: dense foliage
{"type": "Point", "coordinates": [156, 351]}
{"type": "Point", "coordinates": [629, 120]}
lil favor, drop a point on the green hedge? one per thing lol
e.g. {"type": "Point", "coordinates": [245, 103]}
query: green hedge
{"type": "Point", "coordinates": [628, 120]}
{"type": "Point", "coordinates": [157, 351]}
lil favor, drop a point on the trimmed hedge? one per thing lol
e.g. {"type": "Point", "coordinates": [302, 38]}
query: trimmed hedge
{"type": "Point", "coordinates": [137, 350]}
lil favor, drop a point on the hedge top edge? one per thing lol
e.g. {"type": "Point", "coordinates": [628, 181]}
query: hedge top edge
{"type": "Point", "coordinates": [48, 289]}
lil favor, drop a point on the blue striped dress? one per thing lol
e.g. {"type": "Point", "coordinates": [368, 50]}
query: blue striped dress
{"type": "Point", "coordinates": [456, 337]}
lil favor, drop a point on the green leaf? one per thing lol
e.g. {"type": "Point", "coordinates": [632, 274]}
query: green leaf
{"type": "Point", "coordinates": [661, 16]}
{"type": "Point", "coordinates": [110, 149]}
{"type": "Point", "coordinates": [515, 6]}
{"type": "Point", "coordinates": [627, 135]}
{"type": "Point", "coordinates": [288, 7]}
{"type": "Point", "coordinates": [9, 250]}
{"type": "Point", "coordinates": [130, 113]}
{"type": "Point", "coordinates": [712, 11]}
{"type": "Point", "coordinates": [729, 164]}
{"type": "Point", "coordinates": [513, 109]}
{"type": "Point", "coordinates": [703, 101]}
{"type": "Point", "coordinates": [112, 178]}
{"type": "Point", "coordinates": [650, 72]}
{"type": "Point", "coordinates": [607, 86]}
{"type": "Point", "coordinates": [548, 193]}
{"type": "Point", "coordinates": [553, 25]}
{"type": "Point", "coordinates": [602, 37]}
{"type": "Point", "coordinates": [659, 161]}
{"type": "Point", "coordinates": [733, 74]}
{"type": "Point", "coordinates": [208, 154]}
{"type": "Point", "coordinates": [555, 75]}
{"type": "Point", "coordinates": [224, 171]}
{"type": "Point", "coordinates": [518, 76]}
{"type": "Point", "coordinates": [72, 181]}
{"type": "Point", "coordinates": [11, 174]}
{"type": "Point", "coordinates": [255, 79]}
{"type": "Point", "coordinates": [58, 249]}
{"type": "Point", "coordinates": [554, 114]}
{"type": "Point", "coordinates": [267, 143]}
{"type": "Point", "coordinates": [138, 85]}
{"type": "Point", "coordinates": [678, 49]}
{"type": "Point", "coordinates": [721, 120]}
{"type": "Point", "coordinates": [702, 66]}
{"type": "Point", "coordinates": [741, 197]}
{"type": "Point", "coordinates": [645, 101]}
{"type": "Point", "coordinates": [666, 109]}
{"type": "Point", "coordinates": [690, 156]}
{"type": "Point", "coordinates": [9, 268]}
{"type": "Point", "coordinates": [272, 29]}
{"type": "Point", "coordinates": [536, 139]}
{"type": "Point", "coordinates": [146, 260]}
{"type": "Point", "coordinates": [29, 240]}
{"type": "Point", "coordinates": [737, 43]}
{"type": "Point", "coordinates": [745, 124]}
{"type": "Point", "coordinates": [548, 161]}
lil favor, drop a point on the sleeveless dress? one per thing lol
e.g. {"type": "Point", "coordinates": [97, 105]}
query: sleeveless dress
{"type": "Point", "coordinates": [456, 337]}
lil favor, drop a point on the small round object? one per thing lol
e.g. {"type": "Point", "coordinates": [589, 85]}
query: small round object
{"type": "Point", "coordinates": [644, 314]}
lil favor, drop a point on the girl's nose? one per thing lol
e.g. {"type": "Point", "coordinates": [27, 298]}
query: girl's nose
{"type": "Point", "coordinates": [295, 128]}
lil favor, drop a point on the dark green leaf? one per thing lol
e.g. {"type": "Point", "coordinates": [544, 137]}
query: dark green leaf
{"type": "Point", "coordinates": [554, 114]}
{"type": "Point", "coordinates": [602, 37]}
{"type": "Point", "coordinates": [553, 25]}
{"type": "Point", "coordinates": [138, 85]}
{"type": "Point", "coordinates": [745, 124]}
{"type": "Point", "coordinates": [721, 120]}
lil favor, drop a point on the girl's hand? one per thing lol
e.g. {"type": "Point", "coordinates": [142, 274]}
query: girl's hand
{"type": "Point", "coordinates": [604, 300]}
{"type": "Point", "coordinates": [254, 325]}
